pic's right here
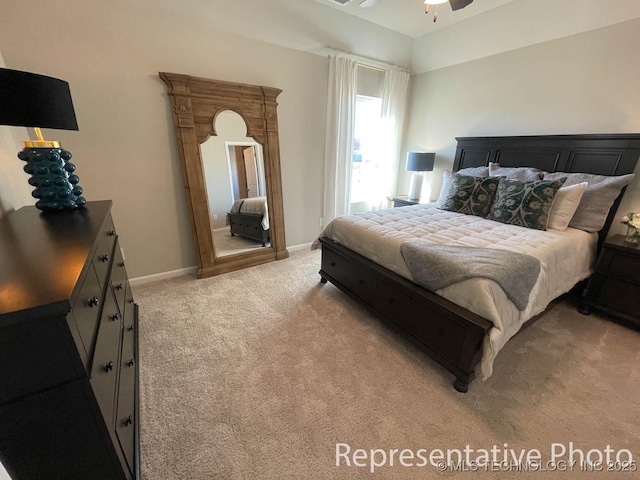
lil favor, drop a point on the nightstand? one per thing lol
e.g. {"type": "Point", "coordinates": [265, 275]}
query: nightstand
{"type": "Point", "coordinates": [403, 201]}
{"type": "Point", "coordinates": [614, 287]}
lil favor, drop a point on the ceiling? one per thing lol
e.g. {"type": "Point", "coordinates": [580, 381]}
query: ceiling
{"type": "Point", "coordinates": [407, 16]}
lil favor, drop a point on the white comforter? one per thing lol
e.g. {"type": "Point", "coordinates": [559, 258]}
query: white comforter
{"type": "Point", "coordinates": [566, 258]}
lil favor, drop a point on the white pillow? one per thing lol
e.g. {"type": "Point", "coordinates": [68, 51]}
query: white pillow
{"type": "Point", "coordinates": [565, 205]}
{"type": "Point", "coordinates": [444, 191]}
{"type": "Point", "coordinates": [597, 199]}
{"type": "Point", "coordinates": [523, 174]}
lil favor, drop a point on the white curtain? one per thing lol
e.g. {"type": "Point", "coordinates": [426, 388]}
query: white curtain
{"type": "Point", "coordinates": [394, 101]}
{"type": "Point", "coordinates": [339, 137]}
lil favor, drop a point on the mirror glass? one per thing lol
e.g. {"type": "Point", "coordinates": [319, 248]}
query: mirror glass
{"type": "Point", "coordinates": [233, 166]}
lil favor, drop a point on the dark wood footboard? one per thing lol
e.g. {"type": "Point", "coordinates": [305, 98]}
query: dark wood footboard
{"type": "Point", "coordinates": [248, 225]}
{"type": "Point", "coordinates": [448, 333]}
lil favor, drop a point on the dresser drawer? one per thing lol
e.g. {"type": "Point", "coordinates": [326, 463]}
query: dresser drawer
{"type": "Point", "coordinates": [125, 430]}
{"type": "Point", "coordinates": [102, 257]}
{"type": "Point", "coordinates": [119, 277]}
{"type": "Point", "coordinates": [621, 265]}
{"type": "Point", "coordinates": [104, 369]}
{"type": "Point", "coordinates": [443, 337]}
{"type": "Point", "coordinates": [359, 280]}
{"type": "Point", "coordinates": [619, 295]}
{"type": "Point", "coordinates": [86, 309]}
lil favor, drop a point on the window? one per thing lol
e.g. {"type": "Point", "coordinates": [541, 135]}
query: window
{"type": "Point", "coordinates": [366, 153]}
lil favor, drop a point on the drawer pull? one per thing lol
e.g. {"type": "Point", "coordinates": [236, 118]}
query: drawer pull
{"type": "Point", "coordinates": [130, 328]}
{"type": "Point", "coordinates": [121, 264]}
{"type": "Point", "coordinates": [118, 286]}
{"type": "Point", "coordinates": [108, 366]}
{"type": "Point", "coordinates": [439, 332]}
{"type": "Point", "coordinates": [104, 258]}
{"type": "Point", "coordinates": [114, 317]}
{"type": "Point", "coordinates": [128, 421]}
{"type": "Point", "coordinates": [131, 363]}
{"type": "Point", "coordinates": [130, 300]}
{"type": "Point", "coordinates": [111, 233]}
{"type": "Point", "coordinates": [93, 302]}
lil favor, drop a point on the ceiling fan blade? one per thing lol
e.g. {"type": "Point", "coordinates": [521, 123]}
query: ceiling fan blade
{"type": "Point", "coordinates": [458, 4]}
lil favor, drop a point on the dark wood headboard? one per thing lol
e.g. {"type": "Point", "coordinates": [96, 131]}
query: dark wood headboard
{"type": "Point", "coordinates": [600, 154]}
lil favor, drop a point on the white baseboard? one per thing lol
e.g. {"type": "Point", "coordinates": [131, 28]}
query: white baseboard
{"type": "Point", "coordinates": [303, 246]}
{"type": "Point", "coordinates": [163, 276]}
{"type": "Point", "coordinates": [156, 277]}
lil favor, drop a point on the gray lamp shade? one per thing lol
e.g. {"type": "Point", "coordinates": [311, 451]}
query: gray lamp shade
{"type": "Point", "coordinates": [420, 161]}
{"type": "Point", "coordinates": [32, 100]}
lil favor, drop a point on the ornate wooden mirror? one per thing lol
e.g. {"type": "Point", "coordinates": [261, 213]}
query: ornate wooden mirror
{"type": "Point", "coordinates": [224, 128]}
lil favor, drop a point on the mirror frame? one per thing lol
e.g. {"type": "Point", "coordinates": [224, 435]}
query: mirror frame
{"type": "Point", "coordinates": [196, 103]}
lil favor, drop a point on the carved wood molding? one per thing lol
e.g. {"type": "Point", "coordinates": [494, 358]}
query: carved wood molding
{"type": "Point", "coordinates": [196, 102]}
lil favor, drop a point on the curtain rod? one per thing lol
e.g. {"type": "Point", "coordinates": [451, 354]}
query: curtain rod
{"type": "Point", "coordinates": [367, 62]}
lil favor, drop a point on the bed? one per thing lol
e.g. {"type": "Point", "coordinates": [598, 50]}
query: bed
{"type": "Point", "coordinates": [249, 217]}
{"type": "Point", "coordinates": [463, 326]}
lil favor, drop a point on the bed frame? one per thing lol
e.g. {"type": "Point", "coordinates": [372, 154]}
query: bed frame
{"type": "Point", "coordinates": [447, 332]}
{"type": "Point", "coordinates": [248, 225]}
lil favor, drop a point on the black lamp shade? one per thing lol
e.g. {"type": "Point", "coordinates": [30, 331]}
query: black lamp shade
{"type": "Point", "coordinates": [420, 161]}
{"type": "Point", "coordinates": [32, 100]}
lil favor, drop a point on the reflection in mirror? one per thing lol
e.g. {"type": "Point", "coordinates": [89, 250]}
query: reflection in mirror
{"type": "Point", "coordinates": [236, 189]}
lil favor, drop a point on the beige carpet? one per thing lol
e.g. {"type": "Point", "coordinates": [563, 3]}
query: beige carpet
{"type": "Point", "coordinates": [258, 374]}
{"type": "Point", "coordinates": [226, 244]}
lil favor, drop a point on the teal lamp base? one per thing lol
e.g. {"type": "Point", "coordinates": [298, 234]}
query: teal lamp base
{"type": "Point", "coordinates": [52, 174]}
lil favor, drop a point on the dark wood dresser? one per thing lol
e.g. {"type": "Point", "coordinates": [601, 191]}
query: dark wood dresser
{"type": "Point", "coordinates": [68, 348]}
{"type": "Point", "coordinates": [614, 287]}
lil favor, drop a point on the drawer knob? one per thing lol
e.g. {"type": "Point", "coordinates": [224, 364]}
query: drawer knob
{"type": "Point", "coordinates": [131, 363]}
{"type": "Point", "coordinates": [114, 317]}
{"type": "Point", "coordinates": [108, 366]}
{"type": "Point", "coordinates": [111, 233]}
{"type": "Point", "coordinates": [121, 264]}
{"type": "Point", "coordinates": [439, 332]}
{"type": "Point", "coordinates": [130, 328]}
{"type": "Point", "coordinates": [118, 286]}
{"type": "Point", "coordinates": [93, 302]}
{"type": "Point", "coordinates": [131, 300]}
{"type": "Point", "coordinates": [128, 421]}
{"type": "Point", "coordinates": [104, 258]}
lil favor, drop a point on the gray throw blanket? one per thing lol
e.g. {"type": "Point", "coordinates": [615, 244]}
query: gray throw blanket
{"type": "Point", "coordinates": [438, 266]}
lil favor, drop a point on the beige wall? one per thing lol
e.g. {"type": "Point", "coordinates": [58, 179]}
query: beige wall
{"type": "Point", "coordinates": [586, 83]}
{"type": "Point", "coordinates": [111, 53]}
{"type": "Point", "coordinates": [15, 192]}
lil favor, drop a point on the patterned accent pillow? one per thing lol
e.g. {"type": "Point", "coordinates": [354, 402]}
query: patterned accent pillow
{"type": "Point", "coordinates": [526, 204]}
{"type": "Point", "coordinates": [471, 195]}
{"type": "Point", "coordinates": [446, 180]}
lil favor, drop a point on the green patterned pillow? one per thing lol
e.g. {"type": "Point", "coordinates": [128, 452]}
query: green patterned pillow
{"type": "Point", "coordinates": [471, 195]}
{"type": "Point", "coordinates": [526, 204]}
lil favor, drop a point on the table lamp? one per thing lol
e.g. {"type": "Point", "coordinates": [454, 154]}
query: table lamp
{"type": "Point", "coordinates": [418, 162]}
{"type": "Point", "coordinates": [32, 100]}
